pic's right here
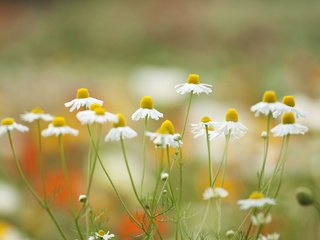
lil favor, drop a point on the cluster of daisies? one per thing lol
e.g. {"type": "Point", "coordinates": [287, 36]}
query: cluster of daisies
{"type": "Point", "coordinates": [93, 112]}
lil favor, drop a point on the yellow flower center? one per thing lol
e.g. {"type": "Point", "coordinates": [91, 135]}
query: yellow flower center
{"type": "Point", "coordinates": [167, 126]}
{"type": "Point", "coordinates": [194, 78]}
{"type": "Point", "coordinates": [7, 121]}
{"type": "Point", "coordinates": [37, 110]}
{"type": "Point", "coordinates": [232, 115]}
{"type": "Point", "coordinates": [256, 195]}
{"type": "Point", "coordinates": [83, 93]}
{"type": "Point", "coordinates": [101, 232]}
{"type": "Point", "coordinates": [59, 121]}
{"type": "Point", "coordinates": [146, 102]}
{"type": "Point", "coordinates": [93, 106]}
{"type": "Point", "coordinates": [99, 111]}
{"type": "Point", "coordinates": [121, 122]}
{"type": "Point", "coordinates": [269, 97]}
{"type": "Point", "coordinates": [289, 101]}
{"type": "Point", "coordinates": [162, 131]}
{"type": "Point", "coordinates": [205, 119]}
{"type": "Point", "coordinates": [288, 118]}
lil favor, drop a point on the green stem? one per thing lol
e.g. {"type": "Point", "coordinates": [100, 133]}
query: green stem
{"type": "Point", "coordinates": [41, 163]}
{"type": "Point", "coordinates": [225, 158]}
{"type": "Point", "coordinates": [203, 219]}
{"type": "Point", "coordinates": [169, 172]}
{"type": "Point", "coordinates": [218, 205]}
{"type": "Point", "coordinates": [112, 184]}
{"type": "Point", "coordinates": [187, 114]}
{"type": "Point", "coordinates": [144, 153]}
{"type": "Point", "coordinates": [209, 155]}
{"type": "Point", "coordinates": [32, 191]}
{"type": "Point", "coordinates": [260, 180]}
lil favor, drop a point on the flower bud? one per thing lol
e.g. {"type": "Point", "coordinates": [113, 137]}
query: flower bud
{"type": "Point", "coordinates": [82, 198]}
{"type": "Point", "coordinates": [304, 196]}
{"type": "Point", "coordinates": [164, 176]}
{"type": "Point", "coordinates": [230, 234]}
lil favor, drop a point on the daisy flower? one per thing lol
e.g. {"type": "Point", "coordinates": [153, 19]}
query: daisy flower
{"type": "Point", "coordinates": [289, 105]}
{"type": "Point", "coordinates": [59, 127]}
{"type": "Point", "coordinates": [36, 114]}
{"type": "Point", "coordinates": [274, 236]}
{"type": "Point", "coordinates": [193, 85]}
{"type": "Point", "coordinates": [165, 136]}
{"type": "Point", "coordinates": [256, 200]}
{"type": "Point", "coordinates": [120, 129]}
{"type": "Point", "coordinates": [8, 124]}
{"type": "Point", "coordinates": [261, 219]}
{"type": "Point", "coordinates": [83, 100]}
{"type": "Point", "coordinates": [232, 126]}
{"type": "Point", "coordinates": [288, 126]}
{"type": "Point", "coordinates": [199, 129]}
{"type": "Point", "coordinates": [214, 193]}
{"type": "Point", "coordinates": [146, 110]}
{"type": "Point", "coordinates": [102, 235]}
{"type": "Point", "coordinates": [269, 105]}
{"type": "Point", "coordinates": [96, 115]}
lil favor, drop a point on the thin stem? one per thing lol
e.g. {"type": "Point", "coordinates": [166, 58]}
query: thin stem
{"type": "Point", "coordinates": [41, 163]}
{"type": "Point", "coordinates": [65, 172]}
{"type": "Point", "coordinates": [112, 184]}
{"type": "Point", "coordinates": [170, 169]}
{"type": "Point", "coordinates": [187, 114]}
{"type": "Point", "coordinates": [260, 180]}
{"type": "Point", "coordinates": [32, 191]}
{"type": "Point", "coordinates": [218, 205]}
{"type": "Point", "coordinates": [225, 158]}
{"type": "Point", "coordinates": [144, 153]}
{"type": "Point", "coordinates": [209, 155]}
{"type": "Point", "coordinates": [203, 219]}
{"type": "Point", "coordinates": [131, 178]}
{"type": "Point", "coordinates": [94, 160]}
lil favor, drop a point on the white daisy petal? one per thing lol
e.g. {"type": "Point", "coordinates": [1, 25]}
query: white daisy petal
{"type": "Point", "coordinates": [124, 132]}
{"type": "Point", "coordinates": [8, 124]}
{"type": "Point", "coordinates": [83, 100]}
{"type": "Point", "coordinates": [141, 113]}
{"type": "Point", "coordinates": [214, 193]}
{"type": "Point", "coordinates": [90, 117]}
{"type": "Point", "coordinates": [286, 129]}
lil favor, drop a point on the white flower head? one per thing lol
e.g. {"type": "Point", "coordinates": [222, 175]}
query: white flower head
{"type": "Point", "coordinates": [164, 176]}
{"type": "Point", "coordinates": [120, 130]}
{"type": "Point", "coordinates": [199, 129]}
{"type": "Point", "coordinates": [261, 219]}
{"type": "Point", "coordinates": [288, 126]}
{"type": "Point", "coordinates": [165, 136]}
{"type": "Point", "coordinates": [264, 134]}
{"type": "Point", "coordinates": [83, 100]}
{"type": "Point", "coordinates": [256, 200]}
{"type": "Point", "coordinates": [36, 114]}
{"type": "Point", "coordinates": [289, 105]}
{"type": "Point", "coordinates": [193, 85]}
{"type": "Point", "coordinates": [268, 105]}
{"type": "Point", "coordinates": [59, 127]}
{"type": "Point", "coordinates": [8, 124]}
{"type": "Point", "coordinates": [232, 126]}
{"type": "Point", "coordinates": [146, 110]}
{"type": "Point", "coordinates": [96, 114]}
{"type": "Point", "coordinates": [214, 193]}
{"type": "Point", "coordinates": [103, 235]}
{"type": "Point", "coordinates": [274, 236]}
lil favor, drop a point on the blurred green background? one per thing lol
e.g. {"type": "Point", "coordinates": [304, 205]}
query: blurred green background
{"type": "Point", "coordinates": [122, 50]}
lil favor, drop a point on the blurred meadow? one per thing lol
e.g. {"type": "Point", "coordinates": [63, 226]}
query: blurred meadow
{"type": "Point", "coordinates": [122, 50]}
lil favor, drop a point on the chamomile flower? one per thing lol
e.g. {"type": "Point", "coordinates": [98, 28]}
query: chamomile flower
{"type": "Point", "coordinates": [232, 126]}
{"type": "Point", "coordinates": [268, 105]}
{"type": "Point", "coordinates": [256, 200]}
{"type": "Point", "coordinates": [120, 129]}
{"type": "Point", "coordinates": [146, 110]}
{"type": "Point", "coordinates": [83, 100]}
{"type": "Point", "coordinates": [214, 193]}
{"type": "Point", "coordinates": [261, 219]}
{"type": "Point", "coordinates": [8, 124]}
{"type": "Point", "coordinates": [288, 126]}
{"type": "Point", "coordinates": [165, 136]}
{"type": "Point", "coordinates": [199, 129]}
{"type": "Point", "coordinates": [59, 127]}
{"type": "Point", "coordinates": [102, 235]}
{"type": "Point", "coordinates": [274, 236]}
{"type": "Point", "coordinates": [193, 85]}
{"type": "Point", "coordinates": [96, 115]}
{"type": "Point", "coordinates": [36, 114]}
{"type": "Point", "coordinates": [289, 105]}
